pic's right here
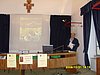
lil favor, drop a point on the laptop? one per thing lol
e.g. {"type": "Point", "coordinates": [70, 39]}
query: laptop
{"type": "Point", "coordinates": [48, 49]}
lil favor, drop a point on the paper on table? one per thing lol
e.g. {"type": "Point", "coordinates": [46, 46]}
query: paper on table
{"type": "Point", "coordinates": [42, 60]}
{"type": "Point", "coordinates": [11, 60]}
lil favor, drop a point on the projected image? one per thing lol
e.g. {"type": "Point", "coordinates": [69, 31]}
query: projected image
{"type": "Point", "coordinates": [30, 34]}
{"type": "Point", "coordinates": [30, 29]}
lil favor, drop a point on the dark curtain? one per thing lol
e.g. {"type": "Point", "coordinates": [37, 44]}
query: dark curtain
{"type": "Point", "coordinates": [59, 30]}
{"type": "Point", "coordinates": [96, 18]}
{"type": "Point", "coordinates": [86, 34]}
{"type": "Point", "coordinates": [4, 33]}
{"type": "Point", "coordinates": [86, 12]}
{"type": "Point", "coordinates": [95, 0]}
{"type": "Point", "coordinates": [86, 8]}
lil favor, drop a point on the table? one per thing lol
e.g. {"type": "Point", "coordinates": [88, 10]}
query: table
{"type": "Point", "coordinates": [56, 60]}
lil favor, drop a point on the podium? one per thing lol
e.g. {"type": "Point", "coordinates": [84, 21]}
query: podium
{"type": "Point", "coordinates": [56, 60]}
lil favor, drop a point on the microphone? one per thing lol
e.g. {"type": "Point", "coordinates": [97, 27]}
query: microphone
{"type": "Point", "coordinates": [55, 49]}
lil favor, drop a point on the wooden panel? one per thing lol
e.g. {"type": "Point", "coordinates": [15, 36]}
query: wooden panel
{"type": "Point", "coordinates": [98, 66]}
{"type": "Point", "coordinates": [3, 64]}
{"type": "Point", "coordinates": [66, 59]}
{"type": "Point", "coordinates": [51, 63]}
{"type": "Point", "coordinates": [72, 61]}
{"type": "Point", "coordinates": [34, 65]}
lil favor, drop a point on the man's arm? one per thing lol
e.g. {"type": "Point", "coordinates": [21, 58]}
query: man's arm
{"type": "Point", "coordinates": [76, 42]}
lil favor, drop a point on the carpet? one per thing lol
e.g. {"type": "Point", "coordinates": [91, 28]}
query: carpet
{"type": "Point", "coordinates": [49, 72]}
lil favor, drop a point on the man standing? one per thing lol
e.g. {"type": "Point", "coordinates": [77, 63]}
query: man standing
{"type": "Point", "coordinates": [73, 43]}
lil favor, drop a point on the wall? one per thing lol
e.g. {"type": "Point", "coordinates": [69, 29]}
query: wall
{"type": "Point", "coordinates": [40, 7]}
{"type": "Point", "coordinates": [76, 5]}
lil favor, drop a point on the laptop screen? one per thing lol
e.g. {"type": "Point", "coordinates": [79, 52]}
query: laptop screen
{"type": "Point", "coordinates": [47, 49]}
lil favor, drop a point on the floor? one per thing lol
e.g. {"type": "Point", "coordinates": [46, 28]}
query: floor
{"type": "Point", "coordinates": [49, 72]}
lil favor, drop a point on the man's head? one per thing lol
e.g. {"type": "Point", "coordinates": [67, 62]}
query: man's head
{"type": "Point", "coordinates": [72, 35]}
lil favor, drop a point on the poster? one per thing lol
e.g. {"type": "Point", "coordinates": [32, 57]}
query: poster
{"type": "Point", "coordinates": [42, 60]}
{"type": "Point", "coordinates": [25, 59]}
{"type": "Point", "coordinates": [11, 60]}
